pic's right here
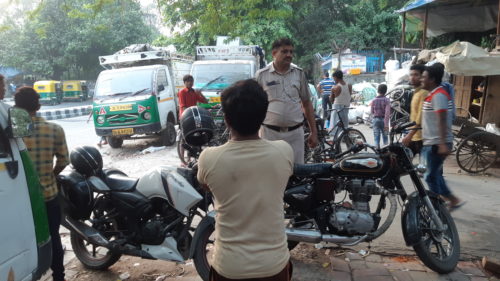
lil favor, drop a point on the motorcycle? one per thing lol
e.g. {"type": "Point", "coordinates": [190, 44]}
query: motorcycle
{"type": "Point", "coordinates": [110, 214]}
{"type": "Point", "coordinates": [313, 216]}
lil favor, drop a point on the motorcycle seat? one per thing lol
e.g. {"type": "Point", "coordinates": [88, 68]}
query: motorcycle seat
{"type": "Point", "coordinates": [119, 182]}
{"type": "Point", "coordinates": [312, 170]}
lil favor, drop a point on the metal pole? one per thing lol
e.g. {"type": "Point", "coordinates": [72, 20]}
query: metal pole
{"type": "Point", "coordinates": [424, 35]}
{"type": "Point", "coordinates": [498, 27]}
{"type": "Point", "coordinates": [403, 35]}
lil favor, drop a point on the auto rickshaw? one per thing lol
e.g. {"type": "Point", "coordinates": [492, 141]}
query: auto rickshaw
{"type": "Point", "coordinates": [75, 90]}
{"type": "Point", "coordinates": [50, 91]}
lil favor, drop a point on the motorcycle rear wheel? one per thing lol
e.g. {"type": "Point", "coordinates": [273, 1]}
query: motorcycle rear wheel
{"type": "Point", "coordinates": [94, 258]}
{"type": "Point", "coordinates": [204, 249]}
{"type": "Point", "coordinates": [440, 251]}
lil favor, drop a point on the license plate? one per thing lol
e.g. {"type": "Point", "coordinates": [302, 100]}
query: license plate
{"type": "Point", "coordinates": [121, 107]}
{"type": "Point", "coordinates": [125, 131]}
{"type": "Point", "coordinates": [214, 99]}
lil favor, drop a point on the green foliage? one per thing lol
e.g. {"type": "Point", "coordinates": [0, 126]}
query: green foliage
{"type": "Point", "coordinates": [63, 39]}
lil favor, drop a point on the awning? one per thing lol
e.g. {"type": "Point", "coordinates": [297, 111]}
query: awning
{"type": "Point", "coordinates": [446, 16]}
{"type": "Point", "coordinates": [414, 5]}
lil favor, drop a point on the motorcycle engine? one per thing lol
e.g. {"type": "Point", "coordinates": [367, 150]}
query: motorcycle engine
{"type": "Point", "coordinates": [350, 221]}
{"type": "Point", "coordinates": [355, 219]}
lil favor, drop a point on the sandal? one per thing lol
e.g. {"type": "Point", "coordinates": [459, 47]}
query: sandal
{"type": "Point", "coordinates": [456, 206]}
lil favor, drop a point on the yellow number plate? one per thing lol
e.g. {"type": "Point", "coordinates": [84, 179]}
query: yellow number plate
{"type": "Point", "coordinates": [214, 99]}
{"type": "Point", "coordinates": [126, 131]}
{"type": "Point", "coordinates": [121, 107]}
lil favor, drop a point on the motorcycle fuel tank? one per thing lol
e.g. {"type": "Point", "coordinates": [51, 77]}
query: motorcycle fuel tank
{"type": "Point", "coordinates": [360, 165]}
{"type": "Point", "coordinates": [164, 182]}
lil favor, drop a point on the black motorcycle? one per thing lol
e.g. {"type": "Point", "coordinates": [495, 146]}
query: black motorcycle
{"type": "Point", "coordinates": [314, 215]}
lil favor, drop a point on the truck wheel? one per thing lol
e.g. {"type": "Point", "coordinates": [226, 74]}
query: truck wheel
{"type": "Point", "coordinates": [168, 135]}
{"type": "Point", "coordinates": [115, 142]}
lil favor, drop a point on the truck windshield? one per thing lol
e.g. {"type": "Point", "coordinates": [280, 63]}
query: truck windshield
{"type": "Point", "coordinates": [123, 83]}
{"type": "Point", "coordinates": [228, 73]}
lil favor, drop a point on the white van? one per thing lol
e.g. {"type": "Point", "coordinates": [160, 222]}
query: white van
{"type": "Point", "coordinates": [25, 246]}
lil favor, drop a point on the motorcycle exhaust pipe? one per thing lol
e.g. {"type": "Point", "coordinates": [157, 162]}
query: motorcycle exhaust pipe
{"type": "Point", "coordinates": [86, 232]}
{"type": "Point", "coordinates": [315, 236]}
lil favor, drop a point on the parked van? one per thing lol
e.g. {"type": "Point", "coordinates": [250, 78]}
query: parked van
{"type": "Point", "coordinates": [50, 91]}
{"type": "Point", "coordinates": [137, 96]}
{"type": "Point", "coordinates": [25, 245]}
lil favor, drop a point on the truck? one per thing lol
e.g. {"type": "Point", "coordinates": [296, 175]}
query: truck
{"type": "Point", "coordinates": [217, 67]}
{"type": "Point", "coordinates": [136, 96]}
{"type": "Point", "coordinates": [25, 243]}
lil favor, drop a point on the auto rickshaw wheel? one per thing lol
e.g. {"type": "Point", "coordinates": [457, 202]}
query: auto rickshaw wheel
{"type": "Point", "coordinates": [115, 142]}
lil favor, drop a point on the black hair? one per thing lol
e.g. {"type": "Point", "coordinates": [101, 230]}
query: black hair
{"type": "Point", "coordinates": [245, 106]}
{"type": "Point", "coordinates": [27, 98]}
{"type": "Point", "coordinates": [282, 42]}
{"type": "Point", "coordinates": [2, 79]}
{"type": "Point", "coordinates": [339, 74]}
{"type": "Point", "coordinates": [326, 75]}
{"type": "Point", "coordinates": [435, 72]}
{"type": "Point", "coordinates": [382, 89]}
{"type": "Point", "coordinates": [418, 67]}
{"type": "Point", "coordinates": [187, 77]}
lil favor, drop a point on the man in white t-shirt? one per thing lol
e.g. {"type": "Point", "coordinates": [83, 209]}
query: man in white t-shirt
{"type": "Point", "coordinates": [247, 177]}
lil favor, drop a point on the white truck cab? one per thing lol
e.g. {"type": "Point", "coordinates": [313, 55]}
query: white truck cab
{"type": "Point", "coordinates": [25, 246]}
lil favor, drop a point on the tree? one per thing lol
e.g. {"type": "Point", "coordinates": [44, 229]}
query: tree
{"type": "Point", "coordinates": [62, 39]}
{"type": "Point", "coordinates": [195, 23]}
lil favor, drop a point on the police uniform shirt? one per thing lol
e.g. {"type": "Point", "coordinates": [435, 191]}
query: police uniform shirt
{"type": "Point", "coordinates": [285, 93]}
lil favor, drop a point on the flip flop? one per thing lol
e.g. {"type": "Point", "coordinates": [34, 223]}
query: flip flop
{"type": "Point", "coordinates": [455, 207]}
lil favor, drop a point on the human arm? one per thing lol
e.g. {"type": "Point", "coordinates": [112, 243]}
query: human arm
{"type": "Point", "coordinates": [335, 92]}
{"type": "Point", "coordinates": [440, 106]}
{"type": "Point", "coordinates": [182, 99]}
{"type": "Point", "coordinates": [61, 152]}
{"type": "Point", "coordinates": [308, 109]}
{"type": "Point", "coordinates": [201, 98]}
{"type": "Point", "coordinates": [201, 174]}
{"type": "Point", "coordinates": [387, 114]}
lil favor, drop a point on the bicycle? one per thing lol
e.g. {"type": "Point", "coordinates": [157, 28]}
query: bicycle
{"type": "Point", "coordinates": [328, 148]}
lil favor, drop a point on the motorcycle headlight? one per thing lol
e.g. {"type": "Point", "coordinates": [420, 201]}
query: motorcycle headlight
{"type": "Point", "coordinates": [146, 115]}
{"type": "Point", "coordinates": [100, 119]}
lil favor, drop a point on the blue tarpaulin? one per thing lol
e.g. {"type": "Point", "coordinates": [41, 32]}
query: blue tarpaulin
{"type": "Point", "coordinates": [414, 5]}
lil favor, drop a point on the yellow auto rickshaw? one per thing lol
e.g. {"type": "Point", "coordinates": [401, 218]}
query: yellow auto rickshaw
{"type": "Point", "coordinates": [75, 90]}
{"type": "Point", "coordinates": [50, 91]}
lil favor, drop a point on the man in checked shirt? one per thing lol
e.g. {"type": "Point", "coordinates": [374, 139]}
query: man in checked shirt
{"type": "Point", "coordinates": [47, 141]}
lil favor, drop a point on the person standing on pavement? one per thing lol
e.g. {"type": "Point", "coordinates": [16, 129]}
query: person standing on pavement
{"type": "Point", "coordinates": [414, 138]}
{"type": "Point", "coordinates": [324, 87]}
{"type": "Point", "coordinates": [289, 100]}
{"type": "Point", "coordinates": [250, 239]}
{"type": "Point", "coordinates": [381, 111]}
{"type": "Point", "coordinates": [188, 96]}
{"type": "Point", "coordinates": [46, 142]}
{"type": "Point", "coordinates": [436, 132]}
{"type": "Point", "coordinates": [341, 92]}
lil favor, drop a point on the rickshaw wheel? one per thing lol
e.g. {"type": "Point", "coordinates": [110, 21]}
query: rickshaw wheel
{"type": "Point", "coordinates": [474, 155]}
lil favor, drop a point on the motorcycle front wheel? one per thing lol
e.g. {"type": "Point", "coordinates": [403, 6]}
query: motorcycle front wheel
{"type": "Point", "coordinates": [439, 251]}
{"type": "Point", "coordinates": [203, 254]}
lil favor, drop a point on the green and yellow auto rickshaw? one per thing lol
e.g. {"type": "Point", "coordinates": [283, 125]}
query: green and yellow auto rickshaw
{"type": "Point", "coordinates": [75, 90]}
{"type": "Point", "coordinates": [50, 91]}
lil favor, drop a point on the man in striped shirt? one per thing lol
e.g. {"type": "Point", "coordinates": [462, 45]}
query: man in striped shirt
{"type": "Point", "coordinates": [437, 115]}
{"type": "Point", "coordinates": [325, 89]}
{"type": "Point", "coordinates": [46, 142]}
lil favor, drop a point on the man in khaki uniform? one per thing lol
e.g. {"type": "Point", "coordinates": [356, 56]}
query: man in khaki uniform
{"type": "Point", "coordinates": [289, 100]}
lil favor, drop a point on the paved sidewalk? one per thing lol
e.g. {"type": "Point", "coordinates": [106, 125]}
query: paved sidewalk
{"type": "Point", "coordinates": [310, 264]}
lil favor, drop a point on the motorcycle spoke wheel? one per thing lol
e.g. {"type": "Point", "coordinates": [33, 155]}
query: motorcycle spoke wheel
{"type": "Point", "coordinates": [439, 250]}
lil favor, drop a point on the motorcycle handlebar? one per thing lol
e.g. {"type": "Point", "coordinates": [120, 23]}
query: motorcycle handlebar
{"type": "Point", "coordinates": [400, 128]}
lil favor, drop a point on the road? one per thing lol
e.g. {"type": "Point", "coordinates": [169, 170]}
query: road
{"type": "Point", "coordinates": [478, 221]}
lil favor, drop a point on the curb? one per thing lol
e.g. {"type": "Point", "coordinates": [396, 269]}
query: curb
{"type": "Point", "coordinates": [65, 112]}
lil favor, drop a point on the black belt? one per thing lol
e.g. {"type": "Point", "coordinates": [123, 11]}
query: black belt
{"type": "Point", "coordinates": [283, 129]}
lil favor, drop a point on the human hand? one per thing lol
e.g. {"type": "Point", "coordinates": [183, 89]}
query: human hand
{"type": "Point", "coordinates": [443, 150]}
{"type": "Point", "coordinates": [312, 140]}
{"type": "Point", "coordinates": [386, 129]}
{"type": "Point", "coordinates": [406, 140]}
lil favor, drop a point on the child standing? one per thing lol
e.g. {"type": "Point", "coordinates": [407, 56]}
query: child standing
{"type": "Point", "coordinates": [381, 110]}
